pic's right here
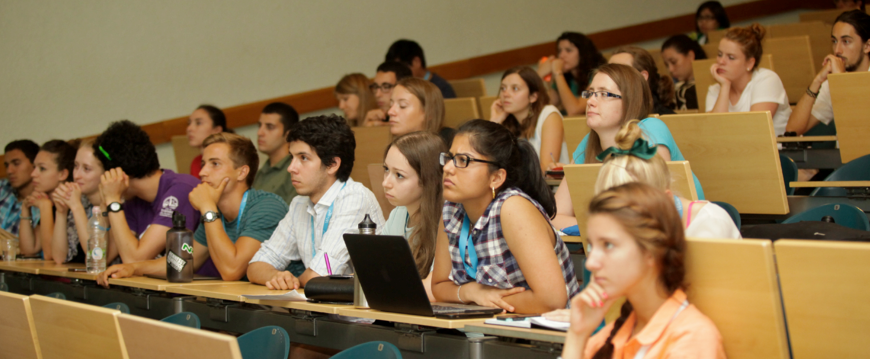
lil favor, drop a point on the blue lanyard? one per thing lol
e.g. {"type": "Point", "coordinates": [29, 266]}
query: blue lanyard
{"type": "Point", "coordinates": [239, 216]}
{"type": "Point", "coordinates": [465, 241]}
{"type": "Point", "coordinates": [326, 223]}
{"type": "Point", "coordinates": [679, 206]}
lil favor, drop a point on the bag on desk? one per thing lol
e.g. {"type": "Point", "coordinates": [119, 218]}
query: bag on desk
{"type": "Point", "coordinates": [330, 289]}
{"type": "Point", "coordinates": [806, 230]}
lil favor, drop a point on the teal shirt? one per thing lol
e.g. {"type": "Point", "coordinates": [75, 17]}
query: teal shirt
{"type": "Point", "coordinates": [263, 211]}
{"type": "Point", "coordinates": [656, 132]}
{"type": "Point", "coordinates": [395, 225]}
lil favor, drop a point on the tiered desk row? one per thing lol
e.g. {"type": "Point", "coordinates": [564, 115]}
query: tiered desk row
{"type": "Point", "coordinates": [821, 300]}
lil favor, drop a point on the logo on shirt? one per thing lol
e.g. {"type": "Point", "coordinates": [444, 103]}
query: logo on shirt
{"type": "Point", "coordinates": [169, 205]}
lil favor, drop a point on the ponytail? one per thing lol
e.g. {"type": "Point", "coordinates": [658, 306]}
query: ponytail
{"type": "Point", "coordinates": [607, 350]}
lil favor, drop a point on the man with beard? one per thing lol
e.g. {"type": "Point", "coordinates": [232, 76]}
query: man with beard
{"type": "Point", "coordinates": [18, 161]}
{"type": "Point", "coordinates": [851, 50]}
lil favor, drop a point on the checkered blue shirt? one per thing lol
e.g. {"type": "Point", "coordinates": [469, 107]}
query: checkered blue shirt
{"type": "Point", "coordinates": [10, 209]}
{"type": "Point", "coordinates": [497, 266]}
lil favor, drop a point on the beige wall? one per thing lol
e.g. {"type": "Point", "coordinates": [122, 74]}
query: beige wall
{"type": "Point", "coordinates": [71, 67]}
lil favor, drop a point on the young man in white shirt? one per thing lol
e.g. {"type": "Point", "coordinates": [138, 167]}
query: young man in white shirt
{"type": "Point", "coordinates": [328, 203]}
{"type": "Point", "coordinates": [850, 47]}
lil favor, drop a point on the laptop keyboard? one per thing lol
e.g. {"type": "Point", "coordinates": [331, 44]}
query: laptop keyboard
{"type": "Point", "coordinates": [446, 309]}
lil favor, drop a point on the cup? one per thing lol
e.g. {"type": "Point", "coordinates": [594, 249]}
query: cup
{"type": "Point", "coordinates": [10, 249]}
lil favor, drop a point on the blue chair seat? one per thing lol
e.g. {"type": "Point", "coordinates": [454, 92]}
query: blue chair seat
{"type": "Point", "coordinates": [370, 350]}
{"type": "Point", "coordinates": [270, 342]}
{"type": "Point", "coordinates": [843, 214]}
{"type": "Point", "coordinates": [186, 319]}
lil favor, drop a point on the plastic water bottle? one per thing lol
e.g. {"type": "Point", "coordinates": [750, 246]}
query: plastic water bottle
{"type": "Point", "coordinates": [96, 256]}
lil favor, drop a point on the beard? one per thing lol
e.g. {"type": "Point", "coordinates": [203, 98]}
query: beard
{"type": "Point", "coordinates": [851, 67]}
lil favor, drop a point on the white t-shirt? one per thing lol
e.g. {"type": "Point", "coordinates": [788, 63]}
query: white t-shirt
{"type": "Point", "coordinates": [822, 109]}
{"type": "Point", "coordinates": [764, 86]}
{"type": "Point", "coordinates": [712, 221]}
{"type": "Point", "coordinates": [535, 140]}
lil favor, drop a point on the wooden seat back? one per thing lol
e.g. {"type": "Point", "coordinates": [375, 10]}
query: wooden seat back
{"type": "Point", "coordinates": [376, 176]}
{"type": "Point", "coordinates": [574, 130]}
{"type": "Point", "coordinates": [818, 32]}
{"type": "Point", "coordinates": [17, 333]}
{"type": "Point", "coordinates": [581, 180]}
{"type": "Point", "coordinates": [850, 94]}
{"type": "Point", "coordinates": [825, 16]}
{"type": "Point", "coordinates": [735, 157]}
{"type": "Point", "coordinates": [76, 331]}
{"type": "Point", "coordinates": [148, 338]}
{"type": "Point", "coordinates": [796, 64]}
{"type": "Point", "coordinates": [371, 143]}
{"type": "Point", "coordinates": [469, 87]}
{"type": "Point", "coordinates": [184, 154]}
{"type": "Point", "coordinates": [825, 296]}
{"type": "Point", "coordinates": [484, 104]}
{"type": "Point", "coordinates": [734, 283]}
{"type": "Point", "coordinates": [459, 110]}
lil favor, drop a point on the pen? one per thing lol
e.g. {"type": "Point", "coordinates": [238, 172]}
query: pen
{"type": "Point", "coordinates": [327, 259]}
{"type": "Point", "coordinates": [551, 157]}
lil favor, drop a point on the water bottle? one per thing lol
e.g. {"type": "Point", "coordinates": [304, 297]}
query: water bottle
{"type": "Point", "coordinates": [367, 226]}
{"type": "Point", "coordinates": [96, 256]}
{"type": "Point", "coordinates": [179, 251]}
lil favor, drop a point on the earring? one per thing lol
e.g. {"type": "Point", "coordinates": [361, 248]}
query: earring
{"type": "Point", "coordinates": [494, 191]}
{"type": "Point", "coordinates": [748, 70]}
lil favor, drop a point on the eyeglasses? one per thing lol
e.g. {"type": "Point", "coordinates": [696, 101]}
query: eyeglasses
{"type": "Point", "coordinates": [461, 160]}
{"type": "Point", "coordinates": [599, 94]}
{"type": "Point", "coordinates": [706, 18]}
{"type": "Point", "coordinates": [385, 87]}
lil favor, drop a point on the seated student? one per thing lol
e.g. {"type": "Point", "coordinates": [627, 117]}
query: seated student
{"type": "Point", "coordinates": [661, 87]}
{"type": "Point", "coordinates": [204, 121]}
{"type": "Point", "coordinates": [413, 183]}
{"type": "Point", "coordinates": [417, 105]}
{"type": "Point", "coordinates": [498, 248]}
{"type": "Point", "coordinates": [275, 122]}
{"type": "Point", "coordinates": [634, 160]}
{"type": "Point", "coordinates": [570, 70]}
{"type": "Point", "coordinates": [679, 52]}
{"type": "Point", "coordinates": [386, 77]}
{"type": "Point", "coordinates": [848, 5]}
{"type": "Point", "coordinates": [411, 54]}
{"type": "Point", "coordinates": [74, 202]}
{"type": "Point", "coordinates": [355, 99]}
{"type": "Point", "coordinates": [742, 86]}
{"type": "Point", "coordinates": [53, 166]}
{"type": "Point", "coordinates": [851, 49]}
{"type": "Point", "coordinates": [328, 204]}
{"type": "Point", "coordinates": [133, 174]}
{"type": "Point", "coordinates": [710, 16]}
{"type": "Point", "coordinates": [236, 219]}
{"type": "Point", "coordinates": [617, 94]}
{"type": "Point", "coordinates": [18, 161]}
{"type": "Point", "coordinates": [523, 108]}
{"type": "Point", "coordinates": [636, 250]}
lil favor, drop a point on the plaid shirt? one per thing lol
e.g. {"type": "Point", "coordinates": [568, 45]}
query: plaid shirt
{"type": "Point", "coordinates": [10, 209]}
{"type": "Point", "coordinates": [497, 266]}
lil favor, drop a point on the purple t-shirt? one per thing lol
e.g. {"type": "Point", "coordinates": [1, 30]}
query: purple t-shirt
{"type": "Point", "coordinates": [172, 195]}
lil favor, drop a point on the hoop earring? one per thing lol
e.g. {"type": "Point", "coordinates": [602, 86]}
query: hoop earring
{"type": "Point", "coordinates": [494, 191]}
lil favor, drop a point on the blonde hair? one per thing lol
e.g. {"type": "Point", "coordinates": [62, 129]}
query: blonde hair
{"type": "Point", "coordinates": [242, 152]}
{"type": "Point", "coordinates": [357, 84]}
{"type": "Point", "coordinates": [619, 170]}
{"type": "Point", "coordinates": [430, 98]}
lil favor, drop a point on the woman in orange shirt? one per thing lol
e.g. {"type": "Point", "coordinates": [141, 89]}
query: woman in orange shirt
{"type": "Point", "coordinates": [636, 250]}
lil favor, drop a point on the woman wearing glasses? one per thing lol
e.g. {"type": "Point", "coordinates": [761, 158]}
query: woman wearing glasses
{"type": "Point", "coordinates": [498, 248]}
{"type": "Point", "coordinates": [617, 94]}
{"type": "Point", "coordinates": [417, 105]}
{"type": "Point", "coordinates": [711, 16]}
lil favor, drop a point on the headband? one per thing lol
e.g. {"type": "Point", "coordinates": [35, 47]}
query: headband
{"type": "Point", "coordinates": [640, 149]}
{"type": "Point", "coordinates": [104, 153]}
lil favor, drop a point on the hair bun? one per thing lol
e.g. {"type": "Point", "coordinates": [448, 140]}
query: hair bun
{"type": "Point", "coordinates": [758, 31]}
{"type": "Point", "coordinates": [628, 134]}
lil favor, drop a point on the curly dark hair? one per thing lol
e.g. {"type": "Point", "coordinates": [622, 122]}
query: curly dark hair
{"type": "Point", "coordinates": [124, 144]}
{"type": "Point", "coordinates": [64, 155]}
{"type": "Point", "coordinates": [330, 137]}
{"type": "Point", "coordinates": [590, 58]}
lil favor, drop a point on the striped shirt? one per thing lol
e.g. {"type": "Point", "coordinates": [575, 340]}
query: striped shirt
{"type": "Point", "coordinates": [10, 209]}
{"type": "Point", "coordinates": [497, 266]}
{"type": "Point", "coordinates": [292, 240]}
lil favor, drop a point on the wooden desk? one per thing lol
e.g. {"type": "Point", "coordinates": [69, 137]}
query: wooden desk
{"type": "Point", "coordinates": [63, 271]}
{"type": "Point", "coordinates": [410, 319]}
{"type": "Point", "coordinates": [160, 284]}
{"type": "Point", "coordinates": [807, 139]}
{"type": "Point", "coordinates": [234, 291]}
{"type": "Point", "coordinates": [572, 239]}
{"type": "Point", "coordinates": [30, 267]}
{"type": "Point", "coordinates": [842, 184]}
{"type": "Point", "coordinates": [544, 335]}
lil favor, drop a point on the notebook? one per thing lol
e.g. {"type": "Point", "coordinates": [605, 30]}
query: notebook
{"type": "Point", "coordinates": [388, 275]}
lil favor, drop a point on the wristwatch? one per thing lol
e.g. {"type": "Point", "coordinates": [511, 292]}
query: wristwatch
{"type": "Point", "coordinates": [113, 207]}
{"type": "Point", "coordinates": [209, 217]}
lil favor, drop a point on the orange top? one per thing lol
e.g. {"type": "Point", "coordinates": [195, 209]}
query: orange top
{"type": "Point", "coordinates": [689, 335]}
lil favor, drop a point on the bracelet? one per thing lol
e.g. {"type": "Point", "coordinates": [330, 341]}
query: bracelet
{"type": "Point", "coordinates": [811, 93]}
{"type": "Point", "coordinates": [27, 218]}
{"type": "Point", "coordinates": [458, 294]}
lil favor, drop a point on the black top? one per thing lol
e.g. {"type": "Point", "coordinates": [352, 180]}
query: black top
{"type": "Point", "coordinates": [443, 85]}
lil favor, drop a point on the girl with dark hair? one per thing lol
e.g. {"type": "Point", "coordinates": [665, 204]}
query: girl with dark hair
{"type": "Point", "coordinates": [636, 251]}
{"type": "Point", "coordinates": [206, 120]}
{"type": "Point", "coordinates": [413, 183]}
{"type": "Point", "coordinates": [679, 52]}
{"type": "Point", "coordinates": [710, 16]}
{"type": "Point", "coordinates": [570, 71]}
{"type": "Point", "coordinates": [53, 165]}
{"type": "Point", "coordinates": [498, 248]}
{"type": "Point", "coordinates": [742, 85]}
{"type": "Point", "coordinates": [523, 108]}
{"type": "Point", "coordinates": [661, 87]}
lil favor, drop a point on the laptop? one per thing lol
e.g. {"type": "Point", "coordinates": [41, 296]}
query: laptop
{"type": "Point", "coordinates": [388, 275]}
